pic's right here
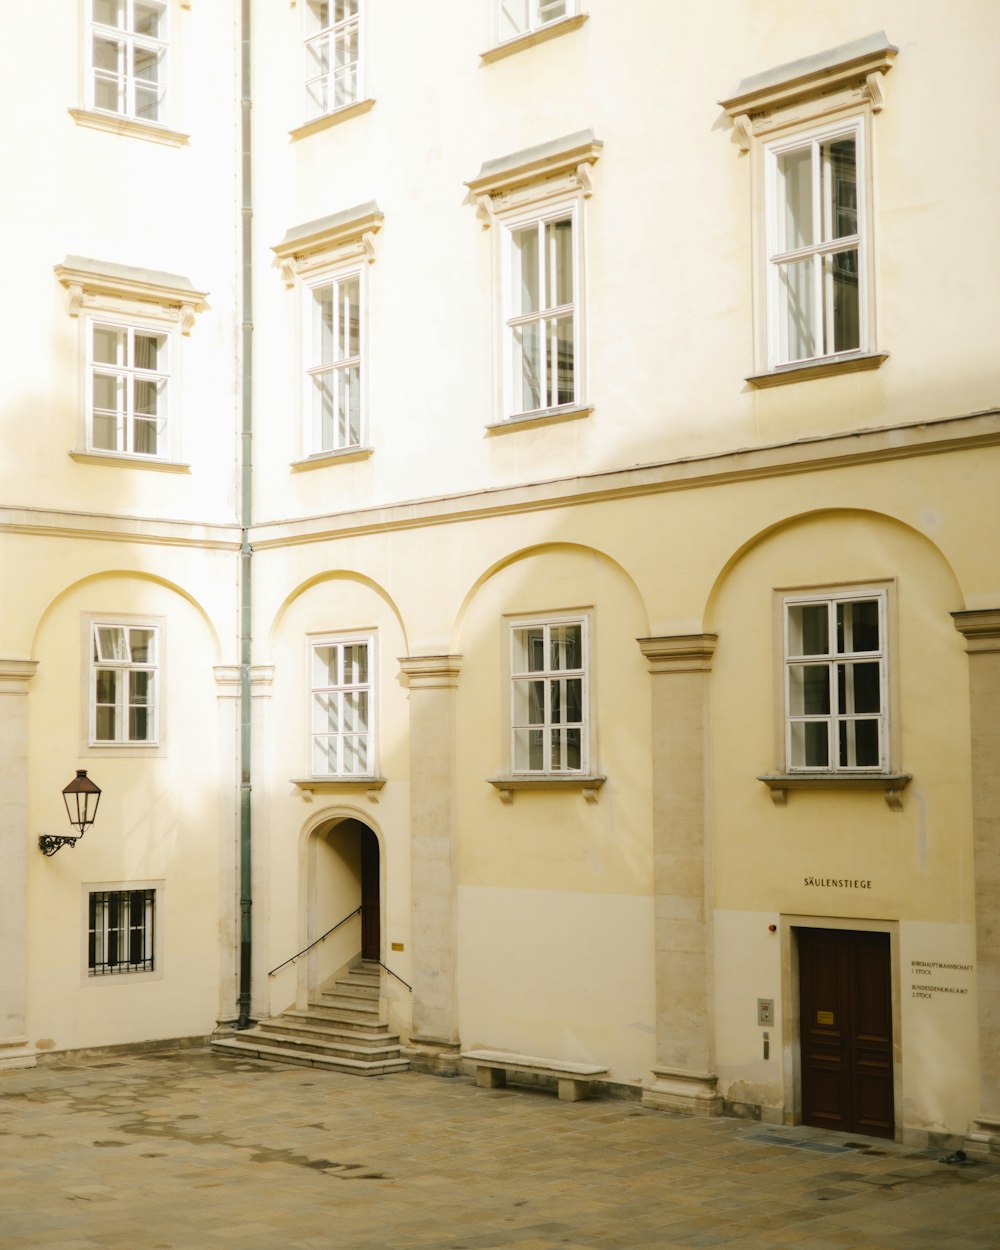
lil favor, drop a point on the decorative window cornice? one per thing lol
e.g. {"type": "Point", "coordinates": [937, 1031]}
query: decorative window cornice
{"type": "Point", "coordinates": [106, 285]}
{"type": "Point", "coordinates": [529, 38]}
{"type": "Point", "coordinates": [329, 240]}
{"type": "Point", "coordinates": [811, 87]}
{"type": "Point", "coordinates": [556, 168]}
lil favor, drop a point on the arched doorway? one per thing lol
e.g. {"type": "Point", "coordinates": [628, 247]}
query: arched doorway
{"type": "Point", "coordinates": [344, 901]}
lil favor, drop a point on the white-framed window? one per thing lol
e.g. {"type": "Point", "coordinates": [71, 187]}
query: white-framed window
{"type": "Point", "coordinates": [333, 416]}
{"type": "Point", "coordinates": [817, 244]}
{"type": "Point", "coordinates": [127, 68]}
{"type": "Point", "coordinates": [541, 293]}
{"type": "Point", "coordinates": [121, 931]}
{"type": "Point", "coordinates": [333, 77]}
{"type": "Point", "coordinates": [520, 17]}
{"type": "Point", "coordinates": [836, 682]}
{"type": "Point", "coordinates": [124, 681]}
{"type": "Point", "coordinates": [549, 729]}
{"type": "Point", "coordinates": [128, 379]}
{"type": "Point", "coordinates": [342, 707]}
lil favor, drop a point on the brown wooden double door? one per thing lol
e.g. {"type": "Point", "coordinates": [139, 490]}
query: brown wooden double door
{"type": "Point", "coordinates": [845, 993]}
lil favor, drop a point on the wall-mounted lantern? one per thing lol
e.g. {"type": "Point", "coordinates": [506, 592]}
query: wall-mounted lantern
{"type": "Point", "coordinates": [81, 797]}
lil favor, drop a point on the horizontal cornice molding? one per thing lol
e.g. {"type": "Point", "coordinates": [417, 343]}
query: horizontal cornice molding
{"type": "Point", "coordinates": [53, 523]}
{"type": "Point", "coordinates": [807, 455]}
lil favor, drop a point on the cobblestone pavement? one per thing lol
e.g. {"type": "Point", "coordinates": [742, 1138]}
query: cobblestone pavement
{"type": "Point", "coordinates": [181, 1150]}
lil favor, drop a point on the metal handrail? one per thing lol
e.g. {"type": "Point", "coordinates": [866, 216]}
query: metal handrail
{"type": "Point", "coordinates": [349, 916]}
{"type": "Point", "coordinates": [394, 974]}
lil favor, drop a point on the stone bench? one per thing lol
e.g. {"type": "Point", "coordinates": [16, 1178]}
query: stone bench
{"type": "Point", "coordinates": [574, 1079]}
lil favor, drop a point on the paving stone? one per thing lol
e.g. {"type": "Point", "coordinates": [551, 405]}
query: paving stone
{"type": "Point", "coordinates": [188, 1151]}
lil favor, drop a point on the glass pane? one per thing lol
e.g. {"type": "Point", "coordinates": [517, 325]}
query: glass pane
{"type": "Point", "coordinates": [796, 318]}
{"type": "Point", "coordinates": [529, 703]}
{"type": "Point", "coordinates": [106, 53]}
{"type": "Point", "coordinates": [356, 664]}
{"type": "Point", "coordinates": [345, 76]}
{"type": "Point", "coordinates": [105, 685]}
{"type": "Point", "coordinates": [104, 726]}
{"type": "Point", "coordinates": [140, 688]}
{"type": "Point", "coordinates": [859, 687]}
{"type": "Point", "coordinates": [356, 754]}
{"type": "Point", "coordinates": [574, 700]}
{"type": "Point", "coordinates": [110, 643]}
{"type": "Point", "coordinates": [108, 345]}
{"type": "Point", "coordinates": [525, 263]}
{"type": "Point", "coordinates": [559, 360]}
{"type": "Point", "coordinates": [528, 750]}
{"type": "Point", "coordinates": [513, 18]}
{"type": "Point", "coordinates": [355, 707]}
{"type": "Point", "coordinates": [326, 713]}
{"type": "Point", "coordinates": [859, 744]}
{"type": "Point", "coordinates": [316, 97]}
{"type": "Point", "coordinates": [147, 103]}
{"type": "Point", "coordinates": [810, 746]}
{"type": "Point", "coordinates": [109, 12]}
{"type": "Point", "coordinates": [527, 368]}
{"type": "Point", "coordinates": [529, 649]}
{"type": "Point", "coordinates": [843, 307]}
{"type": "Point", "coordinates": [348, 407]}
{"type": "Point", "coordinates": [148, 18]}
{"type": "Point", "coordinates": [559, 267]}
{"type": "Point", "coordinates": [565, 749]}
{"type": "Point", "coordinates": [551, 10]}
{"type": "Point", "coordinates": [139, 724]}
{"type": "Point", "coordinates": [150, 351]}
{"type": "Point", "coordinates": [349, 291]}
{"type": "Point", "coordinates": [142, 644]}
{"type": "Point", "coordinates": [146, 397]}
{"type": "Point", "coordinates": [106, 94]}
{"type": "Point", "coordinates": [809, 690]}
{"type": "Point", "coordinates": [344, 9]}
{"type": "Point", "coordinates": [795, 223]}
{"type": "Point", "coordinates": [324, 322]}
{"type": "Point", "coordinates": [105, 433]}
{"type": "Point", "coordinates": [858, 626]}
{"type": "Point", "coordinates": [318, 14]}
{"type": "Point", "coordinates": [324, 666]}
{"type": "Point", "coordinates": [106, 390]}
{"type": "Point", "coordinates": [840, 188]}
{"type": "Point", "coordinates": [145, 438]}
{"type": "Point", "coordinates": [323, 411]}
{"type": "Point", "coordinates": [808, 629]}
{"type": "Point", "coordinates": [566, 644]}
{"type": "Point", "coordinates": [324, 758]}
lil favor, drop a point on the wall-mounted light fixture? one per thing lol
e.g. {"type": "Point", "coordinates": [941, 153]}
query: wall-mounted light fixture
{"type": "Point", "coordinates": [81, 797]}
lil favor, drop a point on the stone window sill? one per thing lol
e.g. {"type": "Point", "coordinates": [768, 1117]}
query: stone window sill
{"type": "Point", "coordinates": [321, 459]}
{"type": "Point", "coordinates": [116, 124]}
{"type": "Point", "coordinates": [308, 786]}
{"type": "Point", "coordinates": [532, 37]}
{"type": "Point", "coordinates": [892, 785]}
{"type": "Point", "coordinates": [551, 416]}
{"type": "Point", "coordinates": [587, 784]}
{"type": "Point", "coordinates": [343, 114]}
{"type": "Point", "coordinates": [857, 362]}
{"type": "Point", "coordinates": [110, 460]}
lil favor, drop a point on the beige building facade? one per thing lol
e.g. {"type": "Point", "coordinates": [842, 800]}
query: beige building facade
{"type": "Point", "coordinates": [519, 491]}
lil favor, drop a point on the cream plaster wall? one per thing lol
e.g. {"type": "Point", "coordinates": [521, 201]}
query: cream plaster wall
{"type": "Point", "coordinates": [158, 821]}
{"type": "Point", "coordinates": [534, 963]}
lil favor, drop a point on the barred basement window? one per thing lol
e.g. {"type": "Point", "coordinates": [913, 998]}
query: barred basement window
{"type": "Point", "coordinates": [120, 931]}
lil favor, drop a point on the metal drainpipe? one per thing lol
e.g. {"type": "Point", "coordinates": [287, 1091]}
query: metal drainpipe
{"type": "Point", "coordinates": [246, 516]}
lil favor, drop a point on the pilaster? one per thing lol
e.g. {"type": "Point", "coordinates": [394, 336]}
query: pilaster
{"type": "Point", "coordinates": [432, 681]}
{"type": "Point", "coordinates": [14, 844]}
{"type": "Point", "coordinates": [684, 1074]}
{"type": "Point", "coordinates": [981, 630]}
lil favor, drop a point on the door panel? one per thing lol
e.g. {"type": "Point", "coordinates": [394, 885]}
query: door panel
{"type": "Point", "coordinates": [371, 938]}
{"type": "Point", "coordinates": [846, 1030]}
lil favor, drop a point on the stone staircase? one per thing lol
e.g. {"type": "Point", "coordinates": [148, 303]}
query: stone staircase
{"type": "Point", "coordinates": [340, 1032]}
